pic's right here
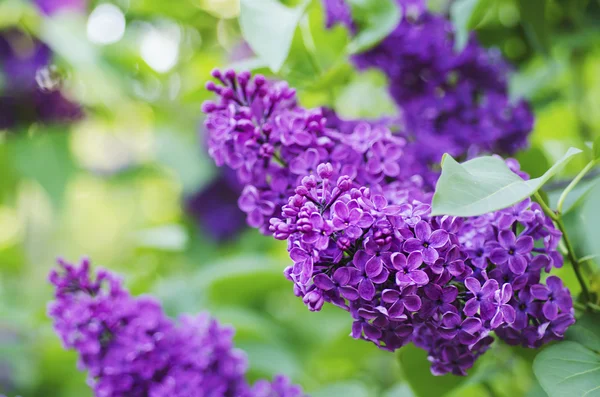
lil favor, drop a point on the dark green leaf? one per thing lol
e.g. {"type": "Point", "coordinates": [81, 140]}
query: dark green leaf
{"type": "Point", "coordinates": [484, 184]}
{"type": "Point", "coordinates": [568, 369]}
{"type": "Point", "coordinates": [375, 20]}
{"type": "Point", "coordinates": [533, 18]}
{"type": "Point", "coordinates": [417, 372]}
{"type": "Point", "coordinates": [466, 15]}
{"type": "Point", "coordinates": [268, 27]}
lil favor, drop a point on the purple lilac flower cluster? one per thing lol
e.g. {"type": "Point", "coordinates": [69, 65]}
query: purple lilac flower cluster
{"type": "Point", "coordinates": [454, 102]}
{"type": "Point", "coordinates": [130, 348]}
{"type": "Point", "coordinates": [23, 62]}
{"type": "Point", "coordinates": [258, 129]}
{"type": "Point", "coordinates": [360, 235]}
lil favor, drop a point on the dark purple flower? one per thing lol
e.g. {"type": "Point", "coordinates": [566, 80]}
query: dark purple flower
{"type": "Point", "coordinates": [408, 272]}
{"type": "Point", "coordinates": [370, 272]}
{"type": "Point", "coordinates": [439, 300]}
{"type": "Point", "coordinates": [454, 326]}
{"type": "Point", "coordinates": [400, 300]}
{"type": "Point", "coordinates": [518, 213]}
{"type": "Point", "coordinates": [505, 313]}
{"type": "Point", "coordinates": [338, 284]}
{"type": "Point", "coordinates": [426, 242]}
{"type": "Point", "coordinates": [525, 307]}
{"type": "Point", "coordinates": [512, 250]}
{"type": "Point", "coordinates": [482, 296]}
{"type": "Point", "coordinates": [556, 297]}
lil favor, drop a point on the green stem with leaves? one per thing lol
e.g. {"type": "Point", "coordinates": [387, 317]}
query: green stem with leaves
{"type": "Point", "coordinates": [556, 217]}
{"type": "Point", "coordinates": [571, 186]}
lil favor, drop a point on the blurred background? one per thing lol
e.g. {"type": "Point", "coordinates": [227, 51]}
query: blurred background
{"type": "Point", "coordinates": [102, 154]}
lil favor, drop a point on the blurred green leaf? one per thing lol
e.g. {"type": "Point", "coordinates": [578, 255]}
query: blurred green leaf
{"type": "Point", "coordinates": [466, 15]}
{"type": "Point", "coordinates": [166, 237]}
{"type": "Point", "coordinates": [343, 389]}
{"type": "Point", "coordinates": [416, 369]}
{"type": "Point", "coordinates": [589, 220]}
{"type": "Point", "coordinates": [568, 369]}
{"type": "Point", "coordinates": [596, 148]}
{"type": "Point", "coordinates": [484, 184]}
{"type": "Point", "coordinates": [375, 19]}
{"type": "Point", "coordinates": [269, 27]}
{"type": "Point", "coordinates": [533, 18]}
{"type": "Point", "coordinates": [46, 159]}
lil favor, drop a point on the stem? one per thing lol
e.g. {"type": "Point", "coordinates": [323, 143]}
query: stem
{"type": "Point", "coordinates": [488, 388]}
{"type": "Point", "coordinates": [572, 185]}
{"type": "Point", "coordinates": [545, 207]}
{"type": "Point", "coordinates": [573, 258]}
{"type": "Point", "coordinates": [570, 250]}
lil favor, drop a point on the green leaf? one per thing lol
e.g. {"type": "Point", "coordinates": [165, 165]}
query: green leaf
{"type": "Point", "coordinates": [586, 331]}
{"type": "Point", "coordinates": [484, 184]}
{"type": "Point", "coordinates": [268, 27]}
{"type": "Point", "coordinates": [533, 18]}
{"type": "Point", "coordinates": [568, 369]}
{"type": "Point", "coordinates": [590, 219]}
{"type": "Point", "coordinates": [417, 372]}
{"type": "Point", "coordinates": [466, 15]}
{"type": "Point", "coordinates": [375, 19]}
{"type": "Point", "coordinates": [343, 389]}
{"type": "Point", "coordinates": [596, 148]}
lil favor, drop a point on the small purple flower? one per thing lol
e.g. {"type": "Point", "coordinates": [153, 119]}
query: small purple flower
{"type": "Point", "coordinates": [319, 231]}
{"type": "Point", "coordinates": [412, 214]}
{"type": "Point", "coordinates": [479, 252]}
{"type": "Point", "coordinates": [451, 266]}
{"type": "Point", "coordinates": [303, 263]}
{"type": "Point", "coordinates": [512, 250]}
{"type": "Point", "coordinates": [505, 313]}
{"type": "Point", "coordinates": [350, 218]}
{"type": "Point", "coordinates": [482, 296]}
{"type": "Point", "coordinates": [314, 300]}
{"type": "Point", "coordinates": [525, 306]}
{"type": "Point", "coordinates": [426, 242]}
{"type": "Point", "coordinates": [306, 163]}
{"type": "Point", "coordinates": [556, 297]}
{"type": "Point", "coordinates": [363, 137]}
{"type": "Point", "coordinates": [337, 11]}
{"type": "Point", "coordinates": [371, 272]}
{"type": "Point", "coordinates": [257, 208]}
{"type": "Point", "coordinates": [338, 284]}
{"type": "Point", "coordinates": [439, 300]}
{"type": "Point", "coordinates": [408, 272]}
{"type": "Point", "coordinates": [517, 213]}
{"type": "Point", "coordinates": [384, 159]}
{"type": "Point", "coordinates": [407, 299]}
{"type": "Point", "coordinates": [453, 326]}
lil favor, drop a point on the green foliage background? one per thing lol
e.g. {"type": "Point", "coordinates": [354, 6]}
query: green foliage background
{"type": "Point", "coordinates": [111, 186]}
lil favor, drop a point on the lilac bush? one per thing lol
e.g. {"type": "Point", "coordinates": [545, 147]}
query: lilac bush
{"type": "Point", "coordinates": [129, 347]}
{"type": "Point", "coordinates": [355, 212]}
{"type": "Point", "coordinates": [23, 62]}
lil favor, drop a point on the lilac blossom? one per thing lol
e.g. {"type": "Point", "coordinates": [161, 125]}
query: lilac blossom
{"type": "Point", "coordinates": [130, 348]}
{"type": "Point", "coordinates": [361, 236]}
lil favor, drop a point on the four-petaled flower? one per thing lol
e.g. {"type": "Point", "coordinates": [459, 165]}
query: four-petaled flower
{"type": "Point", "coordinates": [338, 285]}
{"type": "Point", "coordinates": [350, 218]}
{"type": "Point", "coordinates": [555, 296]}
{"type": "Point", "coordinates": [482, 297]}
{"type": "Point", "coordinates": [407, 299]}
{"type": "Point", "coordinates": [426, 242]}
{"type": "Point", "coordinates": [408, 272]}
{"type": "Point", "coordinates": [505, 313]}
{"type": "Point", "coordinates": [512, 250]}
{"type": "Point", "coordinates": [453, 326]}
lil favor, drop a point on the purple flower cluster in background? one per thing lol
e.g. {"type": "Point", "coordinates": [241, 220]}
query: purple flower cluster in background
{"type": "Point", "coordinates": [454, 102]}
{"type": "Point", "coordinates": [355, 214]}
{"type": "Point", "coordinates": [215, 207]}
{"type": "Point", "coordinates": [130, 348]}
{"type": "Point", "coordinates": [28, 92]}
